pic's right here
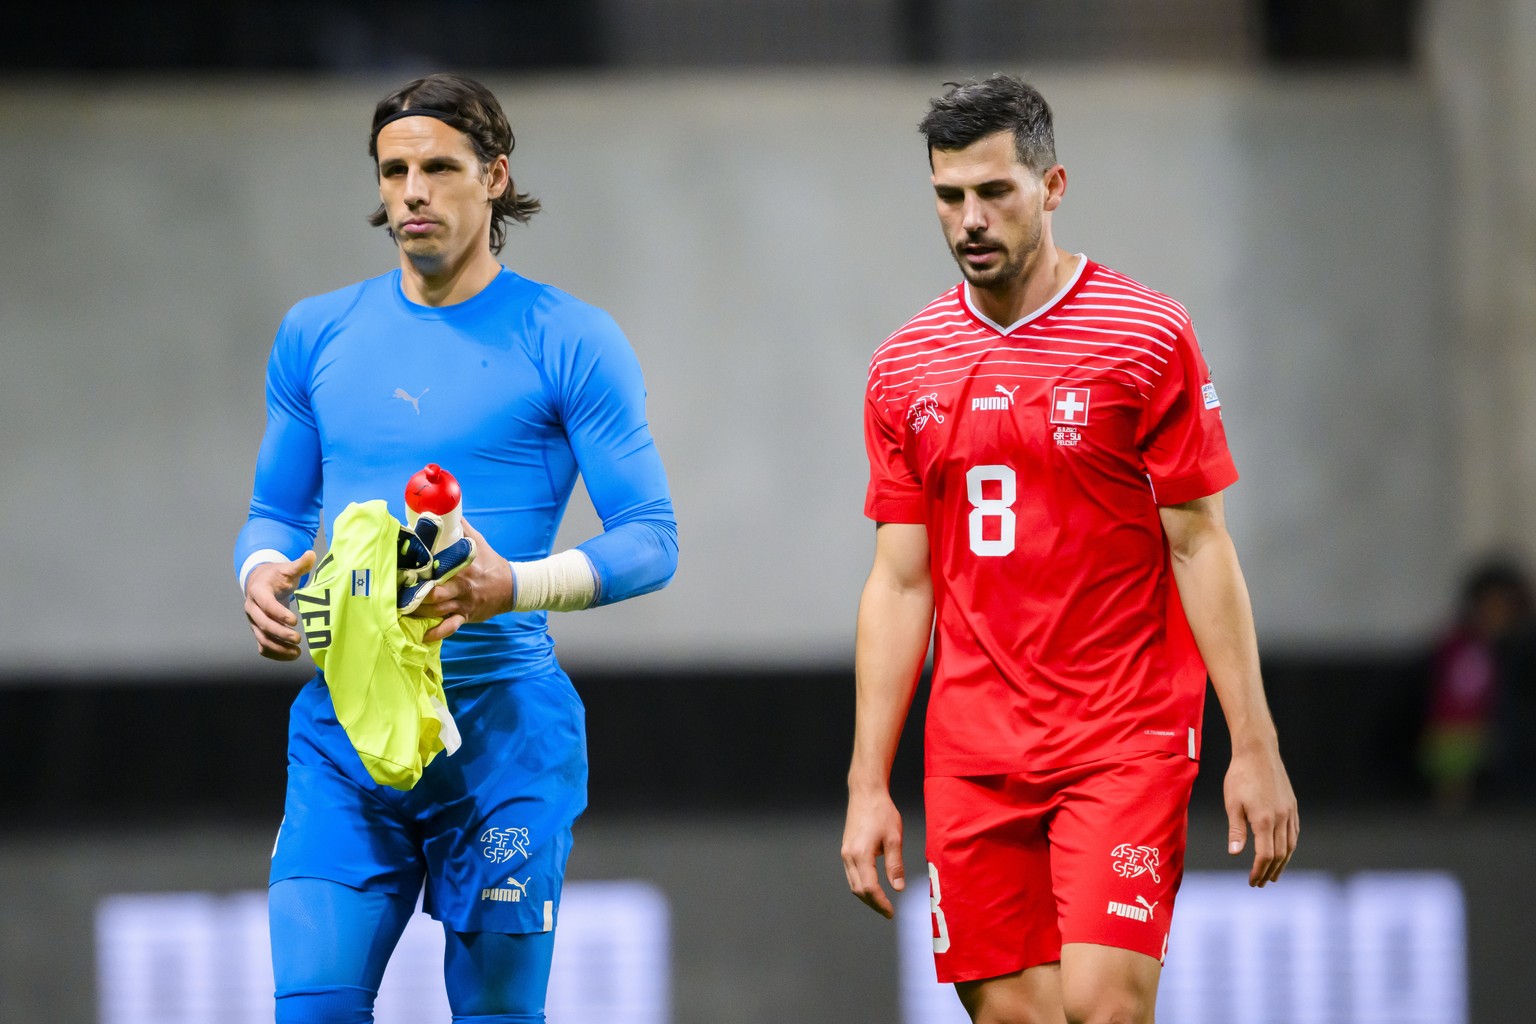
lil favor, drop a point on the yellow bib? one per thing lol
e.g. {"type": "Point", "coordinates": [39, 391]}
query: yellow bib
{"type": "Point", "coordinates": [386, 683]}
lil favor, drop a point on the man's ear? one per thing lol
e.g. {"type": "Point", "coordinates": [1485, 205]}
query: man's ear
{"type": "Point", "coordinates": [1055, 182]}
{"type": "Point", "coordinates": [498, 179]}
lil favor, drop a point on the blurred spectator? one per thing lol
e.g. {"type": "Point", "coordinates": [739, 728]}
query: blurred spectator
{"type": "Point", "coordinates": [1473, 738]}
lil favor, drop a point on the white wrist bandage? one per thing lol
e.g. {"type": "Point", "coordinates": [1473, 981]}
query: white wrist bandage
{"type": "Point", "coordinates": [560, 583]}
{"type": "Point", "coordinates": [256, 558]}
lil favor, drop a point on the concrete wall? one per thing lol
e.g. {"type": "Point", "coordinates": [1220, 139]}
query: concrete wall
{"type": "Point", "coordinates": [757, 237]}
{"type": "Point", "coordinates": [1485, 82]}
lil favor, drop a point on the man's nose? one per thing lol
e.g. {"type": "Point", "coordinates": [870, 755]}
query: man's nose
{"type": "Point", "coordinates": [415, 186]}
{"type": "Point", "coordinates": [973, 216]}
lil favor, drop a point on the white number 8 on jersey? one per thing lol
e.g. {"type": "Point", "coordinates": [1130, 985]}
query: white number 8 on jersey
{"type": "Point", "coordinates": [999, 508]}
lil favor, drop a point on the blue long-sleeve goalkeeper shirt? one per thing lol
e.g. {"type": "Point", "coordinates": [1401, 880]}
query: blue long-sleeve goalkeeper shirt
{"type": "Point", "coordinates": [514, 391]}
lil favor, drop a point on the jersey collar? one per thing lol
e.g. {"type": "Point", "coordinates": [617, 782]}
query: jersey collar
{"type": "Point", "coordinates": [1055, 300]}
{"type": "Point", "coordinates": [485, 298]}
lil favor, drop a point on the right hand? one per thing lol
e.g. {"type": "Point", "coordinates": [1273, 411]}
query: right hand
{"type": "Point", "coordinates": [268, 589]}
{"type": "Point", "coordinates": [873, 830]}
{"type": "Point", "coordinates": [1258, 796]}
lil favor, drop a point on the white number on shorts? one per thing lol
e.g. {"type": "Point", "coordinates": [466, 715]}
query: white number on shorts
{"type": "Point", "coordinates": [940, 926]}
{"type": "Point", "coordinates": [998, 509]}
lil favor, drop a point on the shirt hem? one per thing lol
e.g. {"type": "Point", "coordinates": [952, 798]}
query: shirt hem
{"type": "Point", "coordinates": [896, 511]}
{"type": "Point", "coordinates": [1192, 486]}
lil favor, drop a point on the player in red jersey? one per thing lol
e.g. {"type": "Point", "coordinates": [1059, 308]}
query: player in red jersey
{"type": "Point", "coordinates": [1047, 463]}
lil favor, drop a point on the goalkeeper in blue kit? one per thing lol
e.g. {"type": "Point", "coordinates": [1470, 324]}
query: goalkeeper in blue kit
{"type": "Point", "coordinates": [516, 387]}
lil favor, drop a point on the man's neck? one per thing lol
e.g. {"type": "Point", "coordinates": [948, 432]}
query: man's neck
{"type": "Point", "coordinates": [448, 286]}
{"type": "Point", "coordinates": [1052, 269]}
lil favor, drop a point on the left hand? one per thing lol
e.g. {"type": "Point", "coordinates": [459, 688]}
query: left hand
{"type": "Point", "coordinates": [1259, 796]}
{"type": "Point", "coordinates": [480, 590]}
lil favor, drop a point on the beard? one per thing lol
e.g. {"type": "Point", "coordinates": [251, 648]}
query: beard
{"type": "Point", "coordinates": [428, 264]}
{"type": "Point", "coordinates": [426, 255]}
{"type": "Point", "coordinates": [1008, 271]}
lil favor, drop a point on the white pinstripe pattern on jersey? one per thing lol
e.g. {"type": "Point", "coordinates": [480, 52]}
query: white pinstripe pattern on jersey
{"type": "Point", "coordinates": [944, 343]}
{"type": "Point", "coordinates": [891, 369]}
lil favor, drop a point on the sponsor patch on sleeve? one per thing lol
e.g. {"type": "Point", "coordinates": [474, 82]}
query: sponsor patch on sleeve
{"type": "Point", "coordinates": [1209, 394]}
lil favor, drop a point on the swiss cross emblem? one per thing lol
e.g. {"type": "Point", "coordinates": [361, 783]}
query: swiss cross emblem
{"type": "Point", "coordinates": [1069, 406]}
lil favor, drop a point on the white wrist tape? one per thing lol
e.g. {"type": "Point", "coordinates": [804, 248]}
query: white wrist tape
{"type": "Point", "coordinates": [560, 583]}
{"type": "Point", "coordinates": [256, 558]}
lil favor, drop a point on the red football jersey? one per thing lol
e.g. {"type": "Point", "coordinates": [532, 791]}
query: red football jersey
{"type": "Point", "coordinates": [1037, 454]}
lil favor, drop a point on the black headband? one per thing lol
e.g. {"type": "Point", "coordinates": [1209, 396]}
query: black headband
{"type": "Point", "coordinates": [441, 115]}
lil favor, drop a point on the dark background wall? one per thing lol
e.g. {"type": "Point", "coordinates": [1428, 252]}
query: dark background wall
{"type": "Point", "coordinates": [685, 742]}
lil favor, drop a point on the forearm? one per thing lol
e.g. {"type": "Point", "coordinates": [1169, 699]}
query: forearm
{"type": "Point", "coordinates": [1220, 614]}
{"type": "Point", "coordinates": [602, 397]}
{"type": "Point", "coordinates": [628, 560]}
{"type": "Point", "coordinates": [272, 535]}
{"type": "Point", "coordinates": [285, 492]}
{"type": "Point", "coordinates": [635, 556]}
{"type": "Point", "coordinates": [894, 626]}
{"type": "Point", "coordinates": [1256, 791]}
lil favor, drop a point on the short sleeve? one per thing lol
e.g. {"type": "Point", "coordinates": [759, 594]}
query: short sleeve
{"type": "Point", "coordinates": [895, 494]}
{"type": "Point", "coordinates": [1183, 442]}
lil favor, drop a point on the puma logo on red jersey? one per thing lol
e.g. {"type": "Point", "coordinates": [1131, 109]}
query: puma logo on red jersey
{"type": "Point", "coordinates": [992, 402]}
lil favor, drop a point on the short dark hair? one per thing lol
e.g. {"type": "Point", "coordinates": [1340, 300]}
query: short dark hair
{"type": "Point", "coordinates": [472, 109]}
{"type": "Point", "coordinates": [972, 110]}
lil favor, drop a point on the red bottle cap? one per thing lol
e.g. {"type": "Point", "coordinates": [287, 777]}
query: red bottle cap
{"type": "Point", "coordinates": [433, 490]}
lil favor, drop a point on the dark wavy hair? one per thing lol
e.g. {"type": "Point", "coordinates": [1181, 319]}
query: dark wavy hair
{"type": "Point", "coordinates": [972, 110]}
{"type": "Point", "coordinates": [472, 109]}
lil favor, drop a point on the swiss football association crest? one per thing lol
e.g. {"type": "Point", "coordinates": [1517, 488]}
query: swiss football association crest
{"type": "Point", "coordinates": [924, 409]}
{"type": "Point", "coordinates": [1131, 861]}
{"type": "Point", "coordinates": [502, 844]}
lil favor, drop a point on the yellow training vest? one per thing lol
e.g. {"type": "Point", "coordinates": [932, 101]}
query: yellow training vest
{"type": "Point", "coordinates": [386, 683]}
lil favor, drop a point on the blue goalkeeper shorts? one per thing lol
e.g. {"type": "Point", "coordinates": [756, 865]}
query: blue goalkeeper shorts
{"type": "Point", "coordinates": [488, 828]}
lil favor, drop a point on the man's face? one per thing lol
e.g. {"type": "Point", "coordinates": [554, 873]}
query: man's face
{"type": "Point", "coordinates": [435, 193]}
{"type": "Point", "coordinates": [992, 209]}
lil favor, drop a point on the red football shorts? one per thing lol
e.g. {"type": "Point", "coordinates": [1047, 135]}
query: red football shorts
{"type": "Point", "coordinates": [1019, 864]}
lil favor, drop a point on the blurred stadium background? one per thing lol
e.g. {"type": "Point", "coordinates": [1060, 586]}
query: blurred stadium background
{"type": "Point", "coordinates": [1343, 192]}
